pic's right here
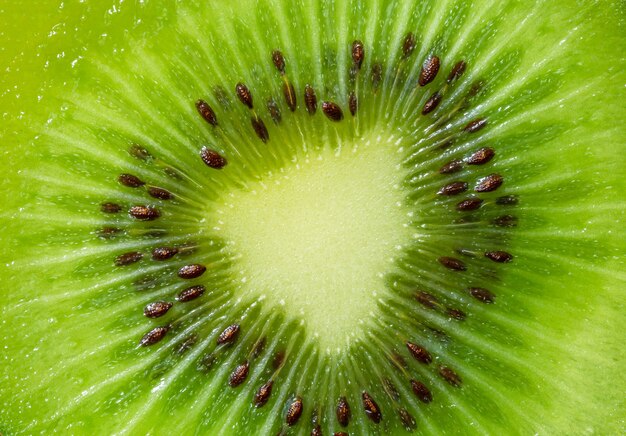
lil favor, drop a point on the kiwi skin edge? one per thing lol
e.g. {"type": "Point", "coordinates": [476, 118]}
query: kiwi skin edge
{"type": "Point", "coordinates": [574, 249]}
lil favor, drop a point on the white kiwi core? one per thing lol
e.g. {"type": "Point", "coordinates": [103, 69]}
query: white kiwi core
{"type": "Point", "coordinates": [319, 238]}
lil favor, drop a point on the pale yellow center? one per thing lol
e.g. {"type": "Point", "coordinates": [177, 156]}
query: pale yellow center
{"type": "Point", "coordinates": [320, 237]}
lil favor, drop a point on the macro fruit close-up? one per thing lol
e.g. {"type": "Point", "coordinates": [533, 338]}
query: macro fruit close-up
{"type": "Point", "coordinates": [312, 217]}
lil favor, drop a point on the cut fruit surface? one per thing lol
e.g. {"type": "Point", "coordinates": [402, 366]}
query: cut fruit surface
{"type": "Point", "coordinates": [269, 217]}
{"type": "Point", "coordinates": [320, 238]}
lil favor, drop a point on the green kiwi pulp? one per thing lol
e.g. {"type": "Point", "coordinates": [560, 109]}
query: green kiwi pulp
{"type": "Point", "coordinates": [313, 218]}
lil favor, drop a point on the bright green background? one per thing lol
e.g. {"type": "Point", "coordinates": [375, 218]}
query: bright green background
{"type": "Point", "coordinates": [32, 32]}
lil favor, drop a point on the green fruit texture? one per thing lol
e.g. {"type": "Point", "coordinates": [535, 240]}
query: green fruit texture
{"type": "Point", "coordinates": [312, 217]}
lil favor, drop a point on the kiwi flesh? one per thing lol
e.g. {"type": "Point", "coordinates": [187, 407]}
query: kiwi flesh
{"type": "Point", "coordinates": [282, 218]}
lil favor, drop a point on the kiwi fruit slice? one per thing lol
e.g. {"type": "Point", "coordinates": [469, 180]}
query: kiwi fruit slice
{"type": "Point", "coordinates": [315, 217]}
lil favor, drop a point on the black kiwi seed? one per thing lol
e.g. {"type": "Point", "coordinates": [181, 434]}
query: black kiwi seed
{"type": "Point", "coordinates": [294, 411]}
{"type": "Point", "coordinates": [332, 111]}
{"type": "Point", "coordinates": [499, 256]}
{"type": "Point", "coordinates": [212, 158]}
{"type": "Point", "coordinates": [259, 347]}
{"type": "Point", "coordinates": [153, 336]}
{"type": "Point", "coordinates": [377, 75]}
{"type": "Point", "coordinates": [278, 360]}
{"type": "Point", "coordinates": [489, 183]}
{"type": "Point", "coordinates": [453, 188]}
{"type": "Point", "coordinates": [457, 71]}
{"type": "Point", "coordinates": [139, 152]}
{"type": "Point", "coordinates": [482, 295]}
{"type": "Point", "coordinates": [452, 263]}
{"type": "Point", "coordinates": [164, 253]}
{"type": "Point", "coordinates": [160, 193]}
{"type": "Point", "coordinates": [358, 53]}
{"type": "Point", "coordinates": [290, 96]}
{"type": "Point", "coordinates": [192, 271]}
{"type": "Point", "coordinates": [343, 412]}
{"type": "Point", "coordinates": [408, 45]}
{"type": "Point", "coordinates": [244, 94]}
{"type": "Point", "coordinates": [507, 200]}
{"type": "Point", "coordinates": [407, 419]}
{"type": "Point", "coordinates": [190, 293]}
{"type": "Point", "coordinates": [505, 221]}
{"type": "Point", "coordinates": [480, 157]}
{"type": "Point", "coordinates": [421, 391]}
{"type": "Point", "coordinates": [239, 374]}
{"type": "Point", "coordinates": [450, 376]}
{"type": "Point", "coordinates": [371, 408]}
{"type": "Point", "coordinates": [432, 103]}
{"type": "Point", "coordinates": [144, 213]}
{"type": "Point", "coordinates": [229, 335]}
{"type": "Point", "coordinates": [419, 353]}
{"type": "Point", "coordinates": [429, 71]}
{"type": "Point", "coordinates": [130, 180]}
{"type": "Point", "coordinates": [469, 204]}
{"type": "Point", "coordinates": [110, 207]}
{"type": "Point", "coordinates": [475, 125]}
{"type": "Point", "coordinates": [157, 309]}
{"type": "Point", "coordinates": [352, 103]}
{"type": "Point", "coordinates": [206, 112]}
{"type": "Point", "coordinates": [279, 61]}
{"type": "Point", "coordinates": [317, 431]}
{"type": "Point", "coordinates": [274, 110]}
{"type": "Point", "coordinates": [451, 167]}
{"type": "Point", "coordinates": [310, 99]}
{"type": "Point", "coordinates": [427, 300]}
{"type": "Point", "coordinates": [456, 314]}
{"type": "Point", "coordinates": [476, 88]}
{"type": "Point", "coordinates": [262, 395]}
{"type": "Point", "coordinates": [128, 258]}
{"type": "Point", "coordinates": [337, 433]}
{"type": "Point", "coordinates": [259, 128]}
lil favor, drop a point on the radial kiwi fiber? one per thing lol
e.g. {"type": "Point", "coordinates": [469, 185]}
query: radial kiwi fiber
{"type": "Point", "coordinates": [312, 217]}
